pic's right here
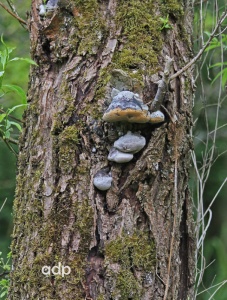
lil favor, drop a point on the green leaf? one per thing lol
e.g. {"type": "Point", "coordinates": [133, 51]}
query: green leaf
{"type": "Point", "coordinates": [222, 73]}
{"type": "Point", "coordinates": [28, 60]}
{"type": "Point", "coordinates": [224, 77]}
{"type": "Point", "coordinates": [219, 64]}
{"type": "Point", "coordinates": [216, 77]}
{"type": "Point", "coordinates": [6, 267]}
{"type": "Point", "coordinates": [15, 107]}
{"type": "Point", "coordinates": [16, 125]}
{"type": "Point", "coordinates": [2, 117]}
{"type": "Point", "coordinates": [3, 294]}
{"type": "Point", "coordinates": [7, 134]}
{"type": "Point", "coordinates": [16, 89]}
{"type": "Point", "coordinates": [8, 126]}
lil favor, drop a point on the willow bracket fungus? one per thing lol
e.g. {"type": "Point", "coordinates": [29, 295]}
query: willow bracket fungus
{"type": "Point", "coordinates": [127, 106]}
{"type": "Point", "coordinates": [118, 156]}
{"type": "Point", "coordinates": [130, 142]}
{"type": "Point", "coordinates": [48, 7]}
{"type": "Point", "coordinates": [103, 179]}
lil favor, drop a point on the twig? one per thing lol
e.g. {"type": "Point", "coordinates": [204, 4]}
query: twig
{"type": "Point", "coordinates": [13, 14]}
{"type": "Point", "coordinates": [9, 146]}
{"type": "Point", "coordinates": [162, 86]}
{"type": "Point", "coordinates": [13, 9]}
{"type": "Point", "coordinates": [174, 219]}
{"type": "Point", "coordinates": [3, 204]}
{"type": "Point", "coordinates": [212, 201]}
{"type": "Point", "coordinates": [4, 273]}
{"type": "Point", "coordinates": [221, 20]}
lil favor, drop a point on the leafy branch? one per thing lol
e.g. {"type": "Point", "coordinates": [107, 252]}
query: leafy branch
{"type": "Point", "coordinates": [8, 123]}
{"type": "Point", "coordinates": [5, 268]}
{"type": "Point", "coordinates": [201, 51]}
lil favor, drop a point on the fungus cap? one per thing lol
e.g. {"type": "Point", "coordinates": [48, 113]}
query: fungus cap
{"type": "Point", "coordinates": [157, 117]}
{"type": "Point", "coordinates": [127, 106]}
{"type": "Point", "coordinates": [118, 156]}
{"type": "Point", "coordinates": [130, 142]}
{"type": "Point", "coordinates": [102, 180]}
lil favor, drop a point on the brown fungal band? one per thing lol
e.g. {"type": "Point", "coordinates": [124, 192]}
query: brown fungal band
{"type": "Point", "coordinates": [157, 117]}
{"type": "Point", "coordinates": [128, 107]}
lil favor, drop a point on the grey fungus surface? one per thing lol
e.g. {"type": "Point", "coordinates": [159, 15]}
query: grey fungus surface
{"type": "Point", "coordinates": [130, 142]}
{"type": "Point", "coordinates": [118, 156]}
{"type": "Point", "coordinates": [48, 7]}
{"type": "Point", "coordinates": [102, 180]}
{"type": "Point", "coordinates": [157, 117]}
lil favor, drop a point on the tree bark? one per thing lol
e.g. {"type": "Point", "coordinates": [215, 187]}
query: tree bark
{"type": "Point", "coordinates": [136, 240]}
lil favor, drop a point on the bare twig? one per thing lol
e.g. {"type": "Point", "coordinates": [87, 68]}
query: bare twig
{"type": "Point", "coordinates": [192, 62]}
{"type": "Point", "coordinates": [7, 142]}
{"type": "Point", "coordinates": [3, 204]}
{"type": "Point", "coordinates": [13, 14]}
{"type": "Point", "coordinates": [174, 219]}
{"type": "Point", "coordinates": [13, 9]}
{"type": "Point", "coordinates": [162, 86]}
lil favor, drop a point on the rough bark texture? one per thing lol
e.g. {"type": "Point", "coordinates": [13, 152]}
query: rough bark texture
{"type": "Point", "coordinates": [136, 240]}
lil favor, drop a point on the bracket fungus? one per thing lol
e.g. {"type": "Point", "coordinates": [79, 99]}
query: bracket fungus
{"type": "Point", "coordinates": [130, 142]}
{"type": "Point", "coordinates": [48, 7]}
{"type": "Point", "coordinates": [103, 179]}
{"type": "Point", "coordinates": [127, 106]}
{"type": "Point", "coordinates": [157, 117]}
{"type": "Point", "coordinates": [118, 156]}
{"type": "Point", "coordinates": [52, 4]}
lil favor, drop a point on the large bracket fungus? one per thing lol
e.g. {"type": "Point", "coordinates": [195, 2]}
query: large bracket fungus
{"type": "Point", "coordinates": [127, 106]}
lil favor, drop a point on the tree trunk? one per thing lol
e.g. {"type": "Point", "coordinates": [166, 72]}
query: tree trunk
{"type": "Point", "coordinates": [135, 240]}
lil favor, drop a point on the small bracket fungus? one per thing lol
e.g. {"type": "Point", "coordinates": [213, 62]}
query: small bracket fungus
{"type": "Point", "coordinates": [118, 156]}
{"type": "Point", "coordinates": [45, 8]}
{"type": "Point", "coordinates": [42, 10]}
{"type": "Point", "coordinates": [157, 117]}
{"type": "Point", "coordinates": [52, 4]}
{"type": "Point", "coordinates": [103, 179]}
{"type": "Point", "coordinates": [127, 106]}
{"type": "Point", "coordinates": [130, 142]}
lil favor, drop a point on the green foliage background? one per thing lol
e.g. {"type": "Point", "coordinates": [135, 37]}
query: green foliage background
{"type": "Point", "coordinates": [15, 36]}
{"type": "Point", "coordinates": [205, 105]}
{"type": "Point", "coordinates": [216, 242]}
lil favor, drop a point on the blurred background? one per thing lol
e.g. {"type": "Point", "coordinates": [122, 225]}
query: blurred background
{"type": "Point", "coordinates": [205, 112]}
{"type": "Point", "coordinates": [14, 35]}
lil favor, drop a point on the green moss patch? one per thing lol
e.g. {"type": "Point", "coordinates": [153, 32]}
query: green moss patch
{"type": "Point", "coordinates": [136, 251]}
{"type": "Point", "coordinates": [141, 39]}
